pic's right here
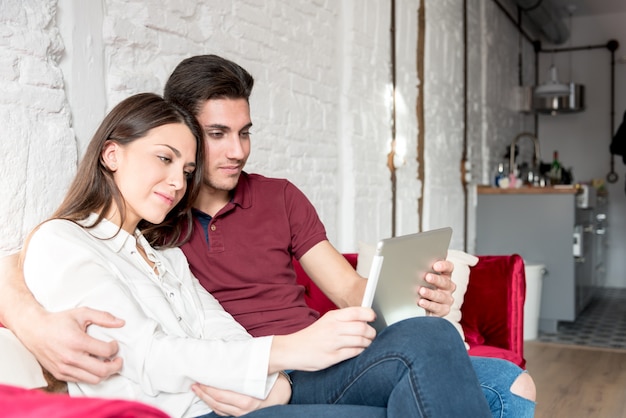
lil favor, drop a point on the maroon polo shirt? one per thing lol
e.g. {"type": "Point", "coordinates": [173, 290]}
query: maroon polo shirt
{"type": "Point", "coordinates": [246, 263]}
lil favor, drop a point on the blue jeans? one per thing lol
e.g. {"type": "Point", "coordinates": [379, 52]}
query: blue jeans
{"type": "Point", "coordinates": [415, 368]}
{"type": "Point", "coordinates": [496, 377]}
{"type": "Point", "coordinates": [392, 378]}
{"type": "Point", "coordinates": [313, 411]}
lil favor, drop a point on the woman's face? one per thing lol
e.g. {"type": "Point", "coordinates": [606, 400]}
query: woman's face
{"type": "Point", "coordinates": [151, 172]}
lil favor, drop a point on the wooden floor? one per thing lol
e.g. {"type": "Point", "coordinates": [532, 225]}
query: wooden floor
{"type": "Point", "coordinates": [576, 381]}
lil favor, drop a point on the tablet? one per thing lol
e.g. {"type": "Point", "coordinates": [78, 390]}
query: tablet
{"type": "Point", "coordinates": [399, 266]}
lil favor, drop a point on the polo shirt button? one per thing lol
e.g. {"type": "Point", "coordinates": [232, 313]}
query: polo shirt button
{"type": "Point", "coordinates": [213, 227]}
{"type": "Point", "coordinates": [180, 319]}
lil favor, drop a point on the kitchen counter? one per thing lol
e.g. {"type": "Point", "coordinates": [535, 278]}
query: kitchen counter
{"type": "Point", "coordinates": [538, 224]}
{"type": "Point", "coordinates": [565, 189]}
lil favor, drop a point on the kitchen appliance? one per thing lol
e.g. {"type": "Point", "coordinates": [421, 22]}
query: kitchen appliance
{"type": "Point", "coordinates": [577, 248]}
{"type": "Point", "coordinates": [586, 196]}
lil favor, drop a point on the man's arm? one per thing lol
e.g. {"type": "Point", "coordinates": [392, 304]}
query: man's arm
{"type": "Point", "coordinates": [332, 273]}
{"type": "Point", "coordinates": [57, 339]}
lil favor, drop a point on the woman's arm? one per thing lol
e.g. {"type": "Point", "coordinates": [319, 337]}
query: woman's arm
{"type": "Point", "coordinates": [58, 340]}
{"type": "Point", "coordinates": [66, 269]}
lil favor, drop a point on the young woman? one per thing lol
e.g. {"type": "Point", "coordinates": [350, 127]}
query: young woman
{"type": "Point", "coordinates": [111, 245]}
{"type": "Point", "coordinates": [134, 189]}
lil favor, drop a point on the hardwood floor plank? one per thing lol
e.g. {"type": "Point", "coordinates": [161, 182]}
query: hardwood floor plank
{"type": "Point", "coordinates": [574, 381]}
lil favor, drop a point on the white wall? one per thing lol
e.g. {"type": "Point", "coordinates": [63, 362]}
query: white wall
{"type": "Point", "coordinates": [492, 119]}
{"type": "Point", "coordinates": [38, 149]}
{"type": "Point", "coordinates": [321, 106]}
{"type": "Point", "coordinates": [583, 139]}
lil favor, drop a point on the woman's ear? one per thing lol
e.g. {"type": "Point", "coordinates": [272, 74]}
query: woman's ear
{"type": "Point", "coordinates": [109, 155]}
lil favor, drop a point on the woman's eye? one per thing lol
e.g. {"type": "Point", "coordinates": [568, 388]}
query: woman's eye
{"type": "Point", "coordinates": [189, 175]}
{"type": "Point", "coordinates": [165, 159]}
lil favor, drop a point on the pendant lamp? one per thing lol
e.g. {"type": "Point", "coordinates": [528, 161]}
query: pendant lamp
{"type": "Point", "coordinates": [554, 97]}
{"type": "Point", "coordinates": [553, 87]}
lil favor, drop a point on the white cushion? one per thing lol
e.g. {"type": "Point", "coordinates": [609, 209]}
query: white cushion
{"type": "Point", "coordinates": [460, 276]}
{"type": "Point", "coordinates": [18, 366]}
{"type": "Point", "coordinates": [365, 257]}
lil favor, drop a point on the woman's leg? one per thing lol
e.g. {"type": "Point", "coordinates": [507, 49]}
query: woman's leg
{"type": "Point", "coordinates": [414, 368]}
{"type": "Point", "coordinates": [496, 376]}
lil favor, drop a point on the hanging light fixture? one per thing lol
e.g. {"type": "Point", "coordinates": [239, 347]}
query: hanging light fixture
{"type": "Point", "coordinates": [553, 87]}
{"type": "Point", "coordinates": [554, 97]}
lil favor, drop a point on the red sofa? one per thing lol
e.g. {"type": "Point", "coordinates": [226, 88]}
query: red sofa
{"type": "Point", "coordinates": [492, 320]}
{"type": "Point", "coordinates": [23, 403]}
{"type": "Point", "coordinates": [492, 310]}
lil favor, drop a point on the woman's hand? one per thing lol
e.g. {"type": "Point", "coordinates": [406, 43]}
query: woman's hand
{"type": "Point", "coordinates": [228, 403]}
{"type": "Point", "coordinates": [338, 335]}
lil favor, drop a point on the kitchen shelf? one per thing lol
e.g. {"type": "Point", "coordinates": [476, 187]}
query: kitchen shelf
{"type": "Point", "coordinates": [569, 189]}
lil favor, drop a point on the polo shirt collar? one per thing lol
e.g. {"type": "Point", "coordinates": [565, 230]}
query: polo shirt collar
{"type": "Point", "coordinates": [243, 195]}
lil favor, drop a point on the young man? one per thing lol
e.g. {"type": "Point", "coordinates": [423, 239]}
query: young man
{"type": "Point", "coordinates": [268, 221]}
{"type": "Point", "coordinates": [247, 230]}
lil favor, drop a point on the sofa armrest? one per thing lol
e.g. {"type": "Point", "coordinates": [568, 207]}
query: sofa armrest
{"type": "Point", "coordinates": [493, 308]}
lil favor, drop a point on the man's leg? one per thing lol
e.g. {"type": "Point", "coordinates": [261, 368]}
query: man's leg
{"type": "Point", "coordinates": [415, 368]}
{"type": "Point", "coordinates": [313, 411]}
{"type": "Point", "coordinates": [496, 376]}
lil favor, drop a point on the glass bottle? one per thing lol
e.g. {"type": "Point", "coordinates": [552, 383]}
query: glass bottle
{"type": "Point", "coordinates": [556, 171]}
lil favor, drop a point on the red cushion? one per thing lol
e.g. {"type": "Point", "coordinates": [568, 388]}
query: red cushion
{"type": "Point", "coordinates": [17, 402]}
{"type": "Point", "coordinates": [496, 352]}
{"type": "Point", "coordinates": [313, 296]}
{"type": "Point", "coordinates": [492, 312]}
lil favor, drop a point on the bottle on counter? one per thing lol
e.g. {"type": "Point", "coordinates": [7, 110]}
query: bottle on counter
{"type": "Point", "coordinates": [500, 172]}
{"type": "Point", "coordinates": [556, 171]}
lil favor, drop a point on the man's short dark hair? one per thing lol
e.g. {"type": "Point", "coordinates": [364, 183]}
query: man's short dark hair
{"type": "Point", "coordinates": [203, 77]}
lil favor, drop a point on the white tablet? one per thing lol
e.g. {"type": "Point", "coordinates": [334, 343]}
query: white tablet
{"type": "Point", "coordinates": [399, 266]}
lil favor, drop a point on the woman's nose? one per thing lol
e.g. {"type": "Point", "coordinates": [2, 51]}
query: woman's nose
{"type": "Point", "coordinates": [177, 179]}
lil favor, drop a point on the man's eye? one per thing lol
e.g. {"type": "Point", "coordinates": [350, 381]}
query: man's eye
{"type": "Point", "coordinates": [215, 134]}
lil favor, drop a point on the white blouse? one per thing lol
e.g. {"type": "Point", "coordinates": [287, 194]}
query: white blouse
{"type": "Point", "coordinates": [175, 333]}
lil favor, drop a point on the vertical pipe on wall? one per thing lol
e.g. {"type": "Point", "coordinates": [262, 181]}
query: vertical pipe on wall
{"type": "Point", "coordinates": [465, 111]}
{"type": "Point", "coordinates": [421, 31]}
{"type": "Point", "coordinates": [612, 46]}
{"type": "Point", "coordinates": [392, 152]}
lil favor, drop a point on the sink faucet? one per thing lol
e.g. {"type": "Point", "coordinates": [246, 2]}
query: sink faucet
{"type": "Point", "coordinates": [536, 157]}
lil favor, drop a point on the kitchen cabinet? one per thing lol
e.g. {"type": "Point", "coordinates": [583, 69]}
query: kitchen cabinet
{"type": "Point", "coordinates": [538, 224]}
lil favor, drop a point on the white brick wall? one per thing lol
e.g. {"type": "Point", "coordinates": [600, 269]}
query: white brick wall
{"type": "Point", "coordinates": [321, 104]}
{"type": "Point", "coordinates": [492, 120]}
{"type": "Point", "coordinates": [38, 148]}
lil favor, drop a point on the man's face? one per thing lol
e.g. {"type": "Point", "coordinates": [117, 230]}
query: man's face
{"type": "Point", "coordinates": [226, 125]}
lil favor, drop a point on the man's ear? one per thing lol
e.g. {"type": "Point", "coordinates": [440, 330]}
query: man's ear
{"type": "Point", "coordinates": [109, 155]}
